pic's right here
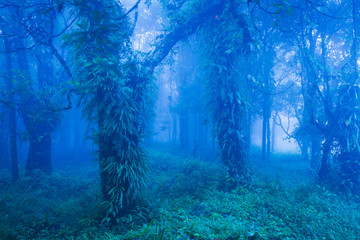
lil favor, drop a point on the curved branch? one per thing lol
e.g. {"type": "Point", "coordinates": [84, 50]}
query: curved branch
{"type": "Point", "coordinates": [286, 131]}
{"type": "Point", "coordinates": [68, 98]}
{"type": "Point", "coordinates": [61, 60]}
{"type": "Point", "coordinates": [328, 15]}
{"type": "Point", "coordinates": [66, 27]}
{"type": "Point", "coordinates": [185, 28]}
{"type": "Point", "coordinates": [130, 10]}
{"type": "Point", "coordinates": [135, 21]}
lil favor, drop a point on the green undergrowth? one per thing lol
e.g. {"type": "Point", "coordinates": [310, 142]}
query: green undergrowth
{"type": "Point", "coordinates": [184, 200]}
{"type": "Point", "coordinates": [288, 169]}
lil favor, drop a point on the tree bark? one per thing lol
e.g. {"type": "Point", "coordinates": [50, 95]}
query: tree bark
{"type": "Point", "coordinates": [266, 70]}
{"type": "Point", "coordinates": [184, 130]}
{"type": "Point", "coordinates": [273, 136]}
{"type": "Point", "coordinates": [182, 30]}
{"type": "Point", "coordinates": [354, 47]}
{"type": "Point", "coordinates": [264, 128]}
{"type": "Point", "coordinates": [37, 120]}
{"type": "Point", "coordinates": [4, 138]}
{"type": "Point", "coordinates": [12, 115]}
{"type": "Point", "coordinates": [324, 168]}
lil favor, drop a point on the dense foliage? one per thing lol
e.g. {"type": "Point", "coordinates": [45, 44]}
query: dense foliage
{"type": "Point", "coordinates": [186, 201]}
{"type": "Point", "coordinates": [269, 60]}
{"type": "Point", "coordinates": [226, 104]}
{"type": "Point", "coordinates": [111, 96]}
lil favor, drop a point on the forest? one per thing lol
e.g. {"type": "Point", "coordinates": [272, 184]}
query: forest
{"type": "Point", "coordinates": [179, 119]}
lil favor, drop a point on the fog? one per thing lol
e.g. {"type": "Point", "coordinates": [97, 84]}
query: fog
{"type": "Point", "coordinates": [146, 108]}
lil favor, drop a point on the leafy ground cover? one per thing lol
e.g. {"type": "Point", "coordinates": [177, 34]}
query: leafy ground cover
{"type": "Point", "coordinates": [184, 200]}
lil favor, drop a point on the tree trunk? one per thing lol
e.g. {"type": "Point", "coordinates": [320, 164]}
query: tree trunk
{"type": "Point", "coordinates": [39, 156]}
{"type": "Point", "coordinates": [4, 138]}
{"type": "Point", "coordinates": [324, 168]}
{"type": "Point", "coordinates": [174, 128]}
{"type": "Point", "coordinates": [228, 113]}
{"type": "Point", "coordinates": [315, 148]}
{"type": "Point", "coordinates": [273, 134]}
{"type": "Point", "coordinates": [264, 128]}
{"type": "Point", "coordinates": [247, 127]}
{"type": "Point", "coordinates": [184, 130]}
{"type": "Point", "coordinates": [12, 116]}
{"type": "Point", "coordinates": [354, 47]}
{"type": "Point", "coordinates": [266, 111]}
{"type": "Point", "coordinates": [196, 136]}
{"type": "Point", "coordinates": [304, 148]}
{"type": "Point", "coordinates": [308, 88]}
{"type": "Point", "coordinates": [37, 120]}
{"type": "Point", "coordinates": [268, 137]}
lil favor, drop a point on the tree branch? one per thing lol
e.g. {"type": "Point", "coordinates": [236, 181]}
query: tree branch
{"type": "Point", "coordinates": [68, 98]}
{"type": "Point", "coordinates": [286, 131]}
{"type": "Point", "coordinates": [128, 12]}
{"type": "Point", "coordinates": [61, 60]}
{"type": "Point", "coordinates": [183, 29]}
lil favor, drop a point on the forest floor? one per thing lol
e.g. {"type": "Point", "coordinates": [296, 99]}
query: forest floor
{"type": "Point", "coordinates": [184, 200]}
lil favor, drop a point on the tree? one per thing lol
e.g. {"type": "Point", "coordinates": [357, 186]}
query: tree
{"type": "Point", "coordinates": [348, 114]}
{"type": "Point", "coordinates": [226, 102]}
{"type": "Point", "coordinates": [112, 91]}
{"type": "Point", "coordinates": [30, 26]}
{"type": "Point", "coordinates": [10, 104]}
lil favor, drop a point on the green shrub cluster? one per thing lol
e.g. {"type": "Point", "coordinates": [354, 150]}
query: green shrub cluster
{"type": "Point", "coordinates": [184, 200]}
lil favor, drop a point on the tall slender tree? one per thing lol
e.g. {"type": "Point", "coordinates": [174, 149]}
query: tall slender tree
{"type": "Point", "coordinates": [12, 113]}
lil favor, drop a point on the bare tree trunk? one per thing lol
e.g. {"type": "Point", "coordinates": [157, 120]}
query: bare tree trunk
{"type": "Point", "coordinates": [12, 115]}
{"type": "Point", "coordinates": [273, 134]}
{"type": "Point", "coordinates": [184, 130]}
{"type": "Point", "coordinates": [266, 107]}
{"type": "Point", "coordinates": [39, 155]}
{"type": "Point", "coordinates": [354, 47]}
{"type": "Point", "coordinates": [264, 128]}
{"type": "Point", "coordinates": [4, 138]}
{"type": "Point", "coordinates": [266, 118]}
{"type": "Point", "coordinates": [324, 168]}
{"type": "Point", "coordinates": [268, 136]}
{"type": "Point", "coordinates": [174, 129]}
{"type": "Point", "coordinates": [196, 137]}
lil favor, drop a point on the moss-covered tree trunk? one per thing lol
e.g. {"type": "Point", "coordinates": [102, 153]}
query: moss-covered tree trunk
{"type": "Point", "coordinates": [112, 97]}
{"type": "Point", "coordinates": [114, 90]}
{"type": "Point", "coordinates": [226, 101]}
{"type": "Point", "coordinates": [228, 111]}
